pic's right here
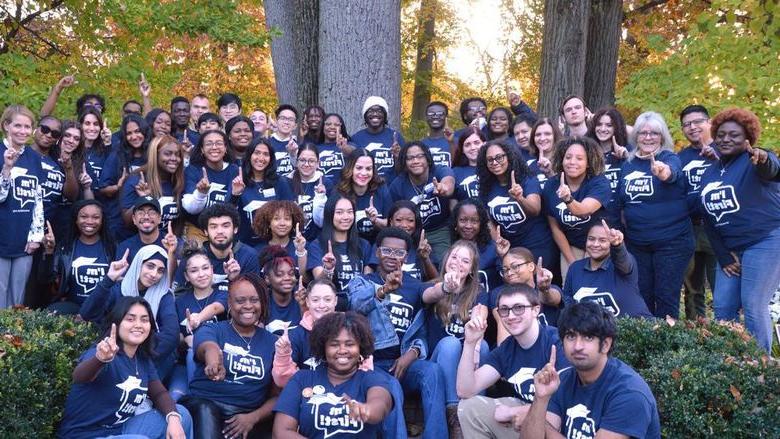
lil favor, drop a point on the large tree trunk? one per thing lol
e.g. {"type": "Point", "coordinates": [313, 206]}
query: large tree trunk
{"type": "Point", "coordinates": [604, 30]}
{"type": "Point", "coordinates": [360, 56]}
{"type": "Point", "coordinates": [294, 52]}
{"type": "Point", "coordinates": [563, 53]}
{"type": "Point", "coordinates": [423, 75]}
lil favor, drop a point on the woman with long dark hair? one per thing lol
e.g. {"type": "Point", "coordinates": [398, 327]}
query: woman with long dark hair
{"type": "Point", "coordinates": [544, 135]}
{"type": "Point", "coordinates": [608, 129]}
{"type": "Point", "coordinates": [333, 145]}
{"type": "Point", "coordinates": [239, 130]}
{"type": "Point", "coordinates": [160, 122]}
{"type": "Point", "coordinates": [470, 222]}
{"type": "Point", "coordinates": [465, 164]}
{"type": "Point", "coordinates": [307, 184]}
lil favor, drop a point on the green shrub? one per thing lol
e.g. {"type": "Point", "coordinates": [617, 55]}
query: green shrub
{"type": "Point", "coordinates": [37, 355]}
{"type": "Point", "coordinates": [709, 379]}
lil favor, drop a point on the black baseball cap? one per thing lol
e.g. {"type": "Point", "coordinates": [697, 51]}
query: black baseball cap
{"type": "Point", "coordinates": [146, 201]}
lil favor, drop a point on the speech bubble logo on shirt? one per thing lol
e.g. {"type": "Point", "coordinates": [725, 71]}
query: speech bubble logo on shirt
{"type": "Point", "coordinates": [277, 326]}
{"type": "Point", "coordinates": [242, 364]}
{"type": "Point", "coordinates": [217, 194]}
{"type": "Point", "coordinates": [383, 159]}
{"type": "Point", "coordinates": [132, 396]}
{"type": "Point", "coordinates": [53, 183]}
{"type": "Point", "coordinates": [638, 184]}
{"type": "Point", "coordinates": [331, 161]}
{"type": "Point", "coordinates": [331, 415]}
{"type": "Point", "coordinates": [440, 158]}
{"type": "Point", "coordinates": [283, 165]}
{"type": "Point", "coordinates": [470, 185]}
{"type": "Point", "coordinates": [579, 424]}
{"type": "Point", "coordinates": [604, 298]}
{"type": "Point", "coordinates": [568, 218]}
{"type": "Point", "coordinates": [400, 313]}
{"type": "Point", "coordinates": [719, 199]}
{"type": "Point", "coordinates": [613, 175]}
{"type": "Point", "coordinates": [523, 382]}
{"type": "Point", "coordinates": [429, 207]}
{"type": "Point", "coordinates": [251, 207]}
{"type": "Point", "coordinates": [507, 212]}
{"type": "Point", "coordinates": [693, 171]}
{"type": "Point", "coordinates": [412, 270]}
{"type": "Point", "coordinates": [24, 186]}
{"type": "Point", "coordinates": [87, 273]}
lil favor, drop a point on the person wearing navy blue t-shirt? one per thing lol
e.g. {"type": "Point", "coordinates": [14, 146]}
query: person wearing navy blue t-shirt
{"type": "Point", "coordinates": [607, 276]}
{"type": "Point", "coordinates": [115, 376]}
{"type": "Point", "coordinates": [383, 142]}
{"type": "Point", "coordinates": [428, 186]}
{"type": "Point", "coordinates": [652, 195]}
{"type": "Point", "coordinates": [232, 392]}
{"type": "Point", "coordinates": [575, 197]}
{"type": "Point", "coordinates": [307, 183]}
{"type": "Point", "coordinates": [438, 141]}
{"type": "Point", "coordinates": [470, 222]}
{"type": "Point", "coordinates": [464, 162]}
{"type": "Point", "coordinates": [544, 136]}
{"type": "Point", "coordinates": [516, 360]}
{"type": "Point", "coordinates": [472, 113]}
{"type": "Point", "coordinates": [512, 196]}
{"type": "Point", "coordinates": [740, 201]}
{"type": "Point", "coordinates": [21, 204]}
{"type": "Point", "coordinates": [278, 224]}
{"type": "Point", "coordinates": [283, 141]}
{"type": "Point", "coordinates": [280, 273]}
{"type": "Point", "coordinates": [695, 122]}
{"type": "Point", "coordinates": [608, 129]}
{"type": "Point", "coordinates": [334, 146]}
{"type": "Point", "coordinates": [599, 394]}
{"type": "Point", "coordinates": [339, 400]}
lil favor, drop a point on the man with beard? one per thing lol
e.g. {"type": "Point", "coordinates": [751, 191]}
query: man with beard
{"type": "Point", "coordinates": [516, 359]}
{"type": "Point", "coordinates": [383, 142]}
{"type": "Point", "coordinates": [600, 396]}
{"type": "Point", "coordinates": [392, 301]}
{"type": "Point", "coordinates": [608, 275]}
{"type": "Point", "coordinates": [146, 218]}
{"type": "Point", "coordinates": [229, 257]}
{"type": "Point", "coordinates": [180, 113]}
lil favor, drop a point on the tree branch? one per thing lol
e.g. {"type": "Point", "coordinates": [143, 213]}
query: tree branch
{"type": "Point", "coordinates": [22, 22]}
{"type": "Point", "coordinates": [646, 7]}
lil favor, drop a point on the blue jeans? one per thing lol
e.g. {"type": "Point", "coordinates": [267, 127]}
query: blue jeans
{"type": "Point", "coordinates": [181, 376]}
{"type": "Point", "coordinates": [752, 290]}
{"type": "Point", "coordinates": [662, 268]}
{"type": "Point", "coordinates": [427, 379]}
{"type": "Point", "coordinates": [447, 355]}
{"type": "Point", "coordinates": [394, 425]}
{"type": "Point", "coordinates": [152, 425]}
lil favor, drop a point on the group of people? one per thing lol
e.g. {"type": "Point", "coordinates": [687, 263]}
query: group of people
{"type": "Point", "coordinates": [273, 273]}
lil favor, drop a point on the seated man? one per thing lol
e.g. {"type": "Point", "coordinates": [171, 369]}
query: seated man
{"type": "Point", "coordinates": [608, 275]}
{"type": "Point", "coordinates": [516, 359]}
{"type": "Point", "coordinates": [393, 300]}
{"type": "Point", "coordinates": [600, 396]}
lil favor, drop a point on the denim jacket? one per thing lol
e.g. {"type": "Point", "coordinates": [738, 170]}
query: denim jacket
{"type": "Point", "coordinates": [362, 298]}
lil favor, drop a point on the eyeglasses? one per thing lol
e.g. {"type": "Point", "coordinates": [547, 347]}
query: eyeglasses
{"type": "Point", "coordinates": [496, 160]}
{"type": "Point", "coordinates": [436, 114]}
{"type": "Point", "coordinates": [213, 144]}
{"type": "Point", "coordinates": [648, 134]}
{"type": "Point", "coordinates": [308, 161]}
{"type": "Point", "coordinates": [285, 119]}
{"type": "Point", "coordinates": [411, 158]}
{"type": "Point", "coordinates": [514, 267]}
{"type": "Point", "coordinates": [517, 310]}
{"type": "Point", "coordinates": [50, 131]}
{"type": "Point", "coordinates": [147, 212]}
{"type": "Point", "coordinates": [392, 252]}
{"type": "Point", "coordinates": [478, 108]}
{"type": "Point", "coordinates": [696, 122]}
{"type": "Point", "coordinates": [253, 300]}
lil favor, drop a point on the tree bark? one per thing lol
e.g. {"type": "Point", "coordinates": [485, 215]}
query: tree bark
{"type": "Point", "coordinates": [360, 56]}
{"type": "Point", "coordinates": [423, 75]}
{"type": "Point", "coordinates": [295, 53]}
{"type": "Point", "coordinates": [604, 30]}
{"type": "Point", "coordinates": [563, 53]}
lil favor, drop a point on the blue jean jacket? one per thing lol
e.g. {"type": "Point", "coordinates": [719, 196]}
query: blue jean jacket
{"type": "Point", "coordinates": [362, 299]}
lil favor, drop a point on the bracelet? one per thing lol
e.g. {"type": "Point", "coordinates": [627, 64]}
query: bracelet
{"type": "Point", "coordinates": [328, 273]}
{"type": "Point", "coordinates": [416, 349]}
{"type": "Point", "coordinates": [301, 254]}
{"type": "Point", "coordinates": [444, 290]}
{"type": "Point", "coordinates": [569, 201]}
{"type": "Point", "coordinates": [175, 414]}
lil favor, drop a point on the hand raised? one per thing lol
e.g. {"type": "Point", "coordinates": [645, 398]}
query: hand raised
{"type": "Point", "coordinates": [543, 276]}
{"type": "Point", "coordinates": [329, 259]}
{"type": "Point", "coordinates": [563, 192]}
{"type": "Point", "coordinates": [231, 266]}
{"type": "Point", "coordinates": [237, 186]}
{"type": "Point", "coordinates": [299, 241]}
{"type": "Point", "coordinates": [546, 381]}
{"type": "Point", "coordinates": [107, 348]}
{"type": "Point", "coordinates": [615, 236]}
{"type": "Point", "coordinates": [142, 187]}
{"type": "Point", "coordinates": [424, 249]}
{"type": "Point", "coordinates": [118, 268]}
{"type": "Point", "coordinates": [515, 190]}
{"type": "Point", "coordinates": [203, 184]}
{"type": "Point", "coordinates": [282, 344]}
{"type": "Point", "coordinates": [618, 151]}
{"type": "Point", "coordinates": [757, 155]}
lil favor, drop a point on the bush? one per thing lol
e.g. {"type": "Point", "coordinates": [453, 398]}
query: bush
{"type": "Point", "coordinates": [708, 378]}
{"type": "Point", "coordinates": [37, 355]}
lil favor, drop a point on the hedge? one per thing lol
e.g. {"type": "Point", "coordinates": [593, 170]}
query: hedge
{"type": "Point", "coordinates": [710, 379]}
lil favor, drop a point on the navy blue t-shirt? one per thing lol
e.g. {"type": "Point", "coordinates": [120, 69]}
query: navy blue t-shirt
{"type": "Point", "coordinates": [346, 268]}
{"type": "Point", "coordinates": [654, 211]}
{"type": "Point", "coordinates": [110, 175]}
{"type": "Point", "coordinates": [100, 407]}
{"type": "Point", "coordinates": [455, 327]}
{"type": "Point", "coordinates": [188, 301]}
{"type": "Point", "coordinates": [169, 207]}
{"type": "Point", "coordinates": [382, 202]}
{"type": "Point", "coordinates": [220, 188]}
{"type": "Point", "coordinates": [331, 161]}
{"type": "Point", "coordinates": [380, 146]}
{"type": "Point", "coordinates": [518, 365]}
{"type": "Point", "coordinates": [301, 348]}
{"type": "Point", "coordinates": [548, 315]}
{"type": "Point", "coordinates": [280, 316]}
{"type": "Point", "coordinates": [466, 182]}
{"type": "Point", "coordinates": [413, 264]}
{"type": "Point", "coordinates": [89, 265]}
{"type": "Point", "coordinates": [246, 257]}
{"type": "Point", "coordinates": [248, 369]}
{"type": "Point", "coordinates": [489, 267]}
{"type": "Point", "coordinates": [619, 401]}
{"type": "Point", "coordinates": [516, 225]}
{"type": "Point", "coordinates": [612, 167]}
{"type": "Point", "coordinates": [440, 150]}
{"type": "Point", "coordinates": [693, 166]}
{"type": "Point", "coordinates": [305, 200]}
{"type": "Point", "coordinates": [740, 207]}
{"type": "Point", "coordinates": [95, 162]}
{"type": "Point", "coordinates": [322, 413]}
{"type": "Point", "coordinates": [52, 182]}
{"type": "Point", "coordinates": [574, 227]}
{"type": "Point", "coordinates": [134, 244]}
{"type": "Point", "coordinates": [16, 212]}
{"type": "Point", "coordinates": [541, 177]}
{"type": "Point", "coordinates": [434, 209]}
{"type": "Point", "coordinates": [616, 292]}
{"type": "Point", "coordinates": [283, 164]}
{"type": "Point", "coordinates": [253, 198]}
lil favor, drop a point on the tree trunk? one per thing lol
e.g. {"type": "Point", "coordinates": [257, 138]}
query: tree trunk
{"type": "Point", "coordinates": [294, 52]}
{"type": "Point", "coordinates": [563, 53]}
{"type": "Point", "coordinates": [601, 63]}
{"type": "Point", "coordinates": [423, 75]}
{"type": "Point", "coordinates": [360, 56]}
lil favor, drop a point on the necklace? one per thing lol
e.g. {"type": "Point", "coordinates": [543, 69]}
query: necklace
{"type": "Point", "coordinates": [244, 339]}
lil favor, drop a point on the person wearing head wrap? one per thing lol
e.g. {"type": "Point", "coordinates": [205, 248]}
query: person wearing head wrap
{"type": "Point", "coordinates": [145, 277]}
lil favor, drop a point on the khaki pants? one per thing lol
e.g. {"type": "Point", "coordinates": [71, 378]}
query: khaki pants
{"type": "Point", "coordinates": [477, 420]}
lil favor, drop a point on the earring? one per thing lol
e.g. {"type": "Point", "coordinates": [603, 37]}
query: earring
{"type": "Point", "coordinates": [361, 359]}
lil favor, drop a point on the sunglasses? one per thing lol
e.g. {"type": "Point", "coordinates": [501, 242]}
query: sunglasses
{"type": "Point", "coordinates": [47, 130]}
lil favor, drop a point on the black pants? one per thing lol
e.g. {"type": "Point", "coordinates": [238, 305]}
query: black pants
{"type": "Point", "coordinates": [208, 418]}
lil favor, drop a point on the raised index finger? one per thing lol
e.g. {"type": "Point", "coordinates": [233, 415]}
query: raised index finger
{"type": "Point", "coordinates": [170, 227]}
{"type": "Point", "coordinates": [540, 265]}
{"type": "Point", "coordinates": [514, 180]}
{"type": "Point", "coordinates": [552, 356]}
{"type": "Point", "coordinates": [126, 255]}
{"type": "Point", "coordinates": [563, 179]}
{"type": "Point", "coordinates": [605, 225]}
{"type": "Point", "coordinates": [48, 226]}
{"type": "Point", "coordinates": [330, 247]}
{"type": "Point", "coordinates": [205, 174]}
{"type": "Point", "coordinates": [113, 332]}
{"type": "Point", "coordinates": [371, 201]}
